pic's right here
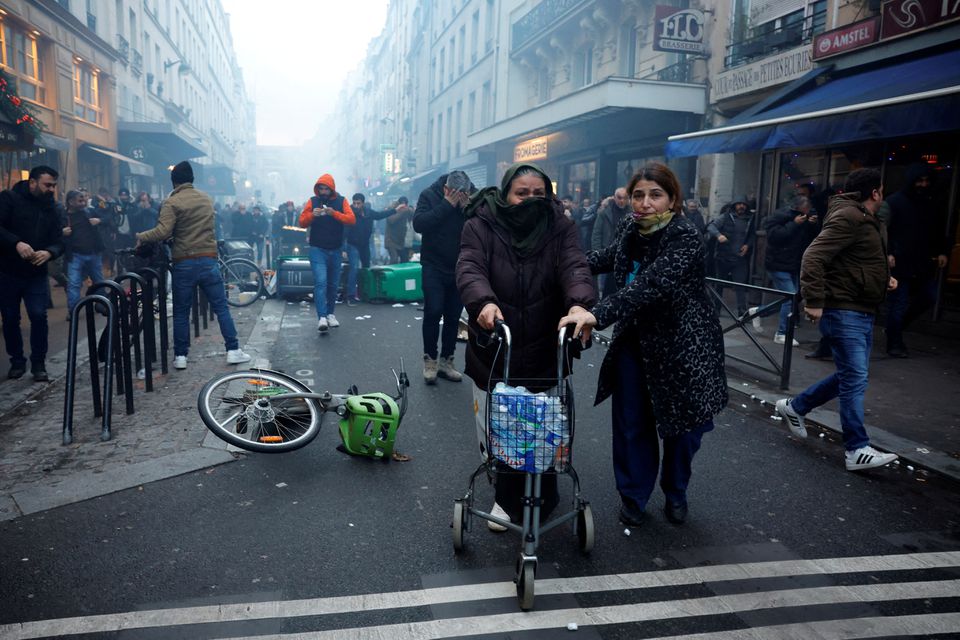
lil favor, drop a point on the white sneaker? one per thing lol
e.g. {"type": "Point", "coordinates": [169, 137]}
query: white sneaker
{"type": "Point", "coordinates": [236, 356]}
{"type": "Point", "coordinates": [794, 419]}
{"type": "Point", "coordinates": [781, 338]}
{"type": "Point", "coordinates": [332, 321]}
{"type": "Point", "coordinates": [180, 362]}
{"type": "Point", "coordinates": [497, 511]}
{"type": "Point", "coordinates": [757, 325]}
{"type": "Point", "coordinates": [322, 325]}
{"type": "Point", "coordinates": [867, 458]}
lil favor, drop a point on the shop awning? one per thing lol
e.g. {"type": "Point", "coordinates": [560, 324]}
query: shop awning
{"type": "Point", "coordinates": [136, 167]}
{"type": "Point", "coordinates": [172, 146]}
{"type": "Point", "coordinates": [919, 96]}
{"type": "Point", "coordinates": [49, 141]}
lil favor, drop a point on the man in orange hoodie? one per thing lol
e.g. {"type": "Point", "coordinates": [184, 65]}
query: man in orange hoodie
{"type": "Point", "coordinates": [325, 215]}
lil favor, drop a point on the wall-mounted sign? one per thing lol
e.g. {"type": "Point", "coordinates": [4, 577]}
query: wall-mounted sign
{"type": "Point", "coordinates": [678, 30]}
{"type": "Point", "coordinates": [138, 153]}
{"type": "Point", "coordinates": [901, 17]}
{"type": "Point", "coordinates": [535, 149]}
{"type": "Point", "coordinates": [853, 36]}
{"type": "Point", "coordinates": [767, 72]}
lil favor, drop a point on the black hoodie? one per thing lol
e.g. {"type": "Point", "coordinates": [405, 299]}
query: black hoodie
{"type": "Point", "coordinates": [440, 224]}
{"type": "Point", "coordinates": [24, 218]}
{"type": "Point", "coordinates": [916, 226]}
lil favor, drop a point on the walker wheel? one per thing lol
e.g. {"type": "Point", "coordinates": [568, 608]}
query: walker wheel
{"type": "Point", "coordinates": [586, 534]}
{"type": "Point", "coordinates": [525, 579]}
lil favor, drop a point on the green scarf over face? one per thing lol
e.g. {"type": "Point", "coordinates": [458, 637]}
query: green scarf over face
{"type": "Point", "coordinates": [652, 223]}
{"type": "Point", "coordinates": [525, 222]}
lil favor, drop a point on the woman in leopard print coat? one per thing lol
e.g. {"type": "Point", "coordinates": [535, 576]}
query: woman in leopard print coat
{"type": "Point", "coordinates": [665, 366]}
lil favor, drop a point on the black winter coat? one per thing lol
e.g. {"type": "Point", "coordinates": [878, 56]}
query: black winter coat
{"type": "Point", "coordinates": [440, 225]}
{"type": "Point", "coordinates": [359, 234]}
{"type": "Point", "coordinates": [787, 240]}
{"type": "Point", "coordinates": [665, 312]}
{"type": "Point", "coordinates": [24, 218]}
{"type": "Point", "coordinates": [533, 293]}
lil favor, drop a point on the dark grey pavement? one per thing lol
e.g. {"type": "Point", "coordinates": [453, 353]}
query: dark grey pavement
{"type": "Point", "coordinates": [780, 538]}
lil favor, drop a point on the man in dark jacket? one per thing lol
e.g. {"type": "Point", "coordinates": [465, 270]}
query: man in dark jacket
{"type": "Point", "coordinates": [734, 234]}
{"type": "Point", "coordinates": [259, 226]}
{"type": "Point", "coordinates": [240, 223]}
{"type": "Point", "coordinates": [30, 236]}
{"type": "Point", "coordinates": [439, 218]}
{"type": "Point", "coordinates": [917, 253]}
{"type": "Point", "coordinates": [358, 242]}
{"type": "Point", "coordinates": [611, 211]}
{"type": "Point", "coordinates": [844, 278]}
{"type": "Point", "coordinates": [789, 232]}
{"type": "Point", "coordinates": [81, 238]}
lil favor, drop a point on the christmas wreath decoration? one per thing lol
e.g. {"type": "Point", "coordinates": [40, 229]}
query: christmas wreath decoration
{"type": "Point", "coordinates": [16, 109]}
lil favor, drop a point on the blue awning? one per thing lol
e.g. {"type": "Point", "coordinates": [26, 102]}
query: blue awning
{"type": "Point", "coordinates": [919, 96]}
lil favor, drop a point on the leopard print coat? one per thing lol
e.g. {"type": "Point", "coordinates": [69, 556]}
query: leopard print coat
{"type": "Point", "coordinates": [664, 312]}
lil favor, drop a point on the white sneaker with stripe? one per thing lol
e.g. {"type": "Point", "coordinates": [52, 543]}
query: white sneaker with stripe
{"type": "Point", "coordinates": [867, 458]}
{"type": "Point", "coordinates": [794, 419]}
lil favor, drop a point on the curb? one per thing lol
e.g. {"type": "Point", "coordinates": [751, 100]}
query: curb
{"type": "Point", "coordinates": [34, 498]}
{"type": "Point", "coordinates": [911, 452]}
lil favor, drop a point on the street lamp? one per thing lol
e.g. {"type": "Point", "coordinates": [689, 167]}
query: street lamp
{"type": "Point", "coordinates": [184, 67]}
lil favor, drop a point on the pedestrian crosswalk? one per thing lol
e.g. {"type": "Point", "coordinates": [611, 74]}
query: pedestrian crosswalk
{"type": "Point", "coordinates": [877, 580]}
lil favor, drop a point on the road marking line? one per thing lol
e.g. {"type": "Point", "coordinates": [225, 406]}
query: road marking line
{"type": "Point", "coordinates": [643, 612]}
{"type": "Point", "coordinates": [467, 593]}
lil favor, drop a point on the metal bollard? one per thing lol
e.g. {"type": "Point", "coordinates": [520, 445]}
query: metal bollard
{"type": "Point", "coordinates": [142, 292]}
{"type": "Point", "coordinates": [105, 409]}
{"type": "Point", "coordinates": [121, 348]}
{"type": "Point", "coordinates": [157, 283]}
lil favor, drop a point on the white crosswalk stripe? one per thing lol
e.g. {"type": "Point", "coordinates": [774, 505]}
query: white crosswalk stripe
{"type": "Point", "coordinates": [619, 614]}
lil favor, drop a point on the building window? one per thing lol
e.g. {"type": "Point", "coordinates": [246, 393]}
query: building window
{"type": "Point", "coordinates": [491, 14]}
{"type": "Point", "coordinates": [21, 57]}
{"type": "Point", "coordinates": [471, 111]}
{"type": "Point", "coordinates": [543, 83]}
{"type": "Point", "coordinates": [461, 52]}
{"type": "Point", "coordinates": [818, 17]}
{"type": "Point", "coordinates": [486, 112]}
{"type": "Point", "coordinates": [443, 66]}
{"type": "Point", "coordinates": [583, 67]}
{"type": "Point", "coordinates": [86, 94]}
{"type": "Point", "coordinates": [629, 37]}
{"type": "Point", "coordinates": [459, 133]}
{"type": "Point", "coordinates": [474, 36]}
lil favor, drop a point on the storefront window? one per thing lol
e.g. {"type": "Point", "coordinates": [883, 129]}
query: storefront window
{"type": "Point", "coordinates": [626, 168]}
{"type": "Point", "coordinates": [581, 181]}
{"type": "Point", "coordinates": [800, 172]}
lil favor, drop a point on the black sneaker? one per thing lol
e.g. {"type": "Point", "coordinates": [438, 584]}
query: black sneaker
{"type": "Point", "coordinates": [898, 351]}
{"type": "Point", "coordinates": [40, 374]}
{"type": "Point", "coordinates": [16, 371]}
{"type": "Point", "coordinates": [630, 515]}
{"type": "Point", "coordinates": [676, 512]}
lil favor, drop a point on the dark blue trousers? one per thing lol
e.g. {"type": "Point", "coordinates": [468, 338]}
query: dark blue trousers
{"type": "Point", "coordinates": [441, 299]}
{"type": "Point", "coordinates": [636, 444]}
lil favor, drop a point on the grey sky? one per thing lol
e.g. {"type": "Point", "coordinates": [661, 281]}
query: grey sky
{"type": "Point", "coordinates": [295, 55]}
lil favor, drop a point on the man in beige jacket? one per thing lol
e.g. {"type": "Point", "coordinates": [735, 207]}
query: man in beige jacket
{"type": "Point", "coordinates": [187, 215]}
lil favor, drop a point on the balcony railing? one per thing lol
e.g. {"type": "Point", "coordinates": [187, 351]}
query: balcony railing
{"type": "Point", "coordinates": [779, 39]}
{"type": "Point", "coordinates": [136, 64]}
{"type": "Point", "coordinates": [680, 72]}
{"type": "Point", "coordinates": [539, 20]}
{"type": "Point", "coordinates": [123, 48]}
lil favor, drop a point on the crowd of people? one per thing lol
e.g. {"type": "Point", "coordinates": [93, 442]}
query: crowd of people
{"type": "Point", "coordinates": [637, 260]}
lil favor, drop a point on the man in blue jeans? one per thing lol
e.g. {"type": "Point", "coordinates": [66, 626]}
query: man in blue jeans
{"type": "Point", "coordinates": [789, 232]}
{"type": "Point", "coordinates": [187, 215]}
{"type": "Point", "coordinates": [325, 215]}
{"type": "Point", "coordinates": [30, 236]}
{"type": "Point", "coordinates": [84, 247]}
{"type": "Point", "coordinates": [843, 278]}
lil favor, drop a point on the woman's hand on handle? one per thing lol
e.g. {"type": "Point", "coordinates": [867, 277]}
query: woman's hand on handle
{"type": "Point", "coordinates": [583, 322]}
{"type": "Point", "coordinates": [488, 315]}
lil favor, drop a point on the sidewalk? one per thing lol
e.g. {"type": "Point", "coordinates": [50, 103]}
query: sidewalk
{"type": "Point", "coordinates": [162, 439]}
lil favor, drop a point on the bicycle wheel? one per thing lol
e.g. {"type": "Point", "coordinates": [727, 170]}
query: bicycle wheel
{"type": "Point", "coordinates": [247, 410]}
{"type": "Point", "coordinates": [242, 280]}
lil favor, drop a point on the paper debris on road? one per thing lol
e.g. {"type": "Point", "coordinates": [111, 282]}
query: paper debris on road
{"type": "Point", "coordinates": [281, 485]}
{"type": "Point", "coordinates": [399, 305]}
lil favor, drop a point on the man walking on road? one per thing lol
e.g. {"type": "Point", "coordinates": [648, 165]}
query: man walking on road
{"type": "Point", "coordinates": [30, 236]}
{"type": "Point", "coordinates": [187, 216]}
{"type": "Point", "coordinates": [325, 215]}
{"type": "Point", "coordinates": [84, 247]}
{"type": "Point", "coordinates": [844, 278]}
{"type": "Point", "coordinates": [358, 243]}
{"type": "Point", "coordinates": [609, 215]}
{"type": "Point", "coordinates": [439, 218]}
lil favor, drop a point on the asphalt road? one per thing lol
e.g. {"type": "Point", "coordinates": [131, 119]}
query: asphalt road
{"type": "Point", "coordinates": [780, 537]}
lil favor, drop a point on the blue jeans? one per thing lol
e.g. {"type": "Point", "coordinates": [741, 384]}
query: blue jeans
{"type": "Point", "coordinates": [326, 278]}
{"type": "Point", "coordinates": [80, 267]}
{"type": "Point", "coordinates": [203, 273]}
{"type": "Point", "coordinates": [784, 281]}
{"type": "Point", "coordinates": [850, 334]}
{"type": "Point", "coordinates": [636, 443]}
{"type": "Point", "coordinates": [353, 260]}
{"type": "Point", "coordinates": [34, 293]}
{"type": "Point", "coordinates": [441, 299]}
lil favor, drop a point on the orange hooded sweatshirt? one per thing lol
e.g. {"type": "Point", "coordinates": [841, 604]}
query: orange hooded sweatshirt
{"type": "Point", "coordinates": [326, 232]}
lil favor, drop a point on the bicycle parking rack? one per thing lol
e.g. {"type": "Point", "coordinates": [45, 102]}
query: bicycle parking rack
{"type": "Point", "coordinates": [101, 409]}
{"type": "Point", "coordinates": [121, 350]}
{"type": "Point", "coordinates": [153, 276]}
{"type": "Point", "coordinates": [782, 368]}
{"type": "Point", "coordinates": [140, 288]}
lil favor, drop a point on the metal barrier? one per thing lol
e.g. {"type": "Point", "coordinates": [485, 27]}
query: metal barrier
{"type": "Point", "coordinates": [158, 292]}
{"type": "Point", "coordinates": [781, 368]}
{"type": "Point", "coordinates": [100, 409]}
{"type": "Point", "coordinates": [142, 293]}
{"type": "Point", "coordinates": [121, 349]}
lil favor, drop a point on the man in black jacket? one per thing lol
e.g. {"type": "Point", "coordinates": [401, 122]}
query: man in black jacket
{"type": "Point", "coordinates": [358, 242]}
{"type": "Point", "coordinates": [734, 233]}
{"type": "Point", "coordinates": [84, 246]}
{"type": "Point", "coordinates": [439, 218]}
{"type": "Point", "coordinates": [30, 236]}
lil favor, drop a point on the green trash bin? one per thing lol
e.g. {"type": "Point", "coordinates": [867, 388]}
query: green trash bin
{"type": "Point", "coordinates": [392, 283]}
{"type": "Point", "coordinates": [369, 427]}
